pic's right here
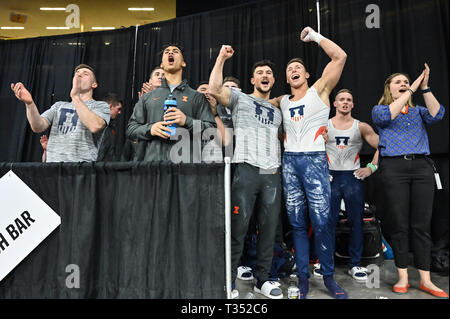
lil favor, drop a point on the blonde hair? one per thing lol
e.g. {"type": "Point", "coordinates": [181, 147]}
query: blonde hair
{"type": "Point", "coordinates": [386, 98]}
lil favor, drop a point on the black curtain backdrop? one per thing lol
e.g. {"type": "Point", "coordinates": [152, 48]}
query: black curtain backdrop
{"type": "Point", "coordinates": [411, 32]}
{"type": "Point", "coordinates": [46, 66]}
{"type": "Point", "coordinates": [134, 230]}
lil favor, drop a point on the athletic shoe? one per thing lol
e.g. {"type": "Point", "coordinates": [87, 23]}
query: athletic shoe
{"type": "Point", "coordinates": [244, 273]}
{"type": "Point", "coordinates": [358, 273]}
{"type": "Point", "coordinates": [269, 289]}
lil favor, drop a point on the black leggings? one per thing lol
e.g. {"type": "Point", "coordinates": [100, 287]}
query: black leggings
{"type": "Point", "coordinates": [249, 187]}
{"type": "Point", "coordinates": [409, 191]}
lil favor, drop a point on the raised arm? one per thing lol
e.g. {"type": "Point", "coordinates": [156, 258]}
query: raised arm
{"type": "Point", "coordinates": [92, 121]}
{"type": "Point", "coordinates": [431, 102]}
{"type": "Point", "coordinates": [216, 89]}
{"type": "Point", "coordinates": [332, 72]}
{"type": "Point", "coordinates": [37, 122]}
{"type": "Point", "coordinates": [398, 104]}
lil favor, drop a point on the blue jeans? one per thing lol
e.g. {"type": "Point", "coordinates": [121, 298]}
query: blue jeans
{"type": "Point", "coordinates": [306, 184]}
{"type": "Point", "coordinates": [348, 187]}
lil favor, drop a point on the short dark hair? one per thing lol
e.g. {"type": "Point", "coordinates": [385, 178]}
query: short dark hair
{"type": "Point", "coordinates": [172, 44]}
{"type": "Point", "coordinates": [268, 63]}
{"type": "Point", "coordinates": [297, 60]}
{"type": "Point", "coordinates": [203, 82]}
{"type": "Point", "coordinates": [153, 71]}
{"type": "Point", "coordinates": [232, 79]}
{"type": "Point", "coordinates": [112, 98]}
{"type": "Point", "coordinates": [85, 66]}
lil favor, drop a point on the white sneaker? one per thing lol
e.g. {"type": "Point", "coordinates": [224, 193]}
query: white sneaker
{"type": "Point", "coordinates": [358, 273]}
{"type": "Point", "coordinates": [244, 273]}
{"type": "Point", "coordinates": [270, 289]}
{"type": "Point", "coordinates": [234, 294]}
{"type": "Point", "coordinates": [316, 271]}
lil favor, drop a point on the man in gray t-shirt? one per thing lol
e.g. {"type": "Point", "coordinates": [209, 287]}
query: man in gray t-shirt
{"type": "Point", "coordinates": [75, 126]}
{"type": "Point", "coordinates": [256, 177]}
{"type": "Point", "coordinates": [256, 127]}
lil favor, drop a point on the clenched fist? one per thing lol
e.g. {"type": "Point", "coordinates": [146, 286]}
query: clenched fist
{"type": "Point", "coordinates": [308, 34]}
{"type": "Point", "coordinates": [226, 52]}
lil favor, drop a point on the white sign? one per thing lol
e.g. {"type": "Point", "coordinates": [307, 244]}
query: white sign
{"type": "Point", "coordinates": [25, 221]}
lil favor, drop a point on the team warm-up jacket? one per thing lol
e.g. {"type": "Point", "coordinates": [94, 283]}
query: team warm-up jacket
{"type": "Point", "coordinates": [150, 109]}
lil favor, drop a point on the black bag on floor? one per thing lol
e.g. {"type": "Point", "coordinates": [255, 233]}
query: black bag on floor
{"type": "Point", "coordinates": [439, 257]}
{"type": "Point", "coordinates": [372, 246]}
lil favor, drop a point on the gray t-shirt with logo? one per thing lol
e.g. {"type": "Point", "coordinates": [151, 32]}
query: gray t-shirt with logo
{"type": "Point", "coordinates": [256, 128]}
{"type": "Point", "coordinates": [70, 140]}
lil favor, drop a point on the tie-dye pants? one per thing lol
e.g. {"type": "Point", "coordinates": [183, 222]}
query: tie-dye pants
{"type": "Point", "coordinates": [306, 184]}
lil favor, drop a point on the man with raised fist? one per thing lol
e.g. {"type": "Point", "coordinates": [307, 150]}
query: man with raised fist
{"type": "Point", "coordinates": [306, 180]}
{"type": "Point", "coordinates": [256, 178]}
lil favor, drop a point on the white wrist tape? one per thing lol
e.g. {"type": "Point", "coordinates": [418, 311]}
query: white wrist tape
{"type": "Point", "coordinates": [316, 37]}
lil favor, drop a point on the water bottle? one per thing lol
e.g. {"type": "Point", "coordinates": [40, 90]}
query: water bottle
{"type": "Point", "coordinates": [293, 291]}
{"type": "Point", "coordinates": [171, 101]}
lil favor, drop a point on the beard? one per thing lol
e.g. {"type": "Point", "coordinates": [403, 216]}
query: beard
{"type": "Point", "coordinates": [260, 90]}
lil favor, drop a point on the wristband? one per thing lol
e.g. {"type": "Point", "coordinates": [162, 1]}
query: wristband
{"type": "Point", "coordinates": [411, 91]}
{"type": "Point", "coordinates": [372, 167]}
{"type": "Point", "coordinates": [426, 90]}
{"type": "Point", "coordinates": [315, 36]}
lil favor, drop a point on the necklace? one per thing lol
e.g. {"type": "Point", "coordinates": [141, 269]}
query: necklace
{"type": "Point", "coordinates": [405, 109]}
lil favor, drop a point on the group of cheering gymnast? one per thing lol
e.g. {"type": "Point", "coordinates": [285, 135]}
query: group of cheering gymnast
{"type": "Point", "coordinates": [319, 165]}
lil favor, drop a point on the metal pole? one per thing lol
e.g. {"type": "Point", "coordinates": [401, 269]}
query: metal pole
{"type": "Point", "coordinates": [227, 183]}
{"type": "Point", "coordinates": [318, 15]}
{"type": "Point", "coordinates": [134, 61]}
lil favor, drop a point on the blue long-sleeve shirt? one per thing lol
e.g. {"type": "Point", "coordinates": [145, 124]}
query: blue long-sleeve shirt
{"type": "Point", "coordinates": [406, 134]}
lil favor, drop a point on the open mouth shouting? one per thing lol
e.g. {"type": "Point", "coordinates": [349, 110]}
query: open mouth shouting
{"type": "Point", "coordinates": [171, 60]}
{"type": "Point", "coordinates": [265, 82]}
{"type": "Point", "coordinates": [403, 89]}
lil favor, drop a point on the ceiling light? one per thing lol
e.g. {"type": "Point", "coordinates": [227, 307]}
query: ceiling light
{"type": "Point", "coordinates": [141, 9]}
{"type": "Point", "coordinates": [103, 28]}
{"type": "Point", "coordinates": [12, 28]}
{"type": "Point", "coordinates": [57, 28]}
{"type": "Point", "coordinates": [52, 9]}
